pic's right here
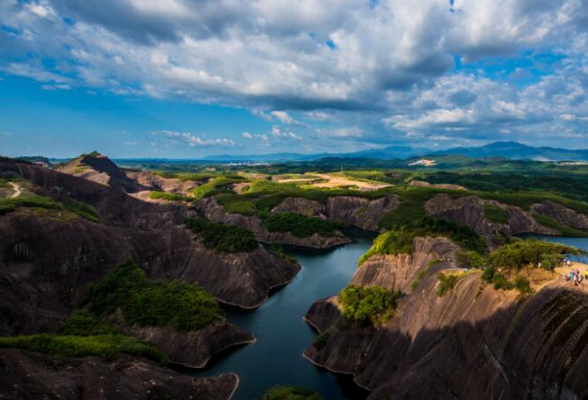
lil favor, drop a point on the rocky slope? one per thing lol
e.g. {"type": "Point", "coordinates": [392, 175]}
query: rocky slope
{"type": "Point", "coordinates": [562, 214]}
{"type": "Point", "coordinates": [25, 376]}
{"type": "Point", "coordinates": [355, 211]}
{"type": "Point", "coordinates": [48, 258]}
{"type": "Point", "coordinates": [469, 211]}
{"type": "Point", "coordinates": [474, 342]}
{"type": "Point", "coordinates": [212, 210]}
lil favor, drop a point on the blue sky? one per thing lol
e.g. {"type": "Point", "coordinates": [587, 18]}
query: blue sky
{"type": "Point", "coordinates": [190, 78]}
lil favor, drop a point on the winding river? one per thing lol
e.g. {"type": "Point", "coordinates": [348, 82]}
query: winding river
{"type": "Point", "coordinates": [282, 335]}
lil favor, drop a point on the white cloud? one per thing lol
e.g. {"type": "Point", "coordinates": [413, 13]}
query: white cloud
{"type": "Point", "coordinates": [194, 140]}
{"type": "Point", "coordinates": [278, 133]}
{"type": "Point", "coordinates": [247, 135]}
{"type": "Point", "coordinates": [283, 117]}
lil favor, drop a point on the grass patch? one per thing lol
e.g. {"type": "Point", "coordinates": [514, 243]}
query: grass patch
{"type": "Point", "coordinates": [156, 195]}
{"type": "Point", "coordinates": [290, 392]}
{"type": "Point", "coordinates": [216, 186]}
{"type": "Point", "coordinates": [104, 346]}
{"type": "Point", "coordinates": [391, 242]}
{"type": "Point", "coordinates": [223, 238]}
{"type": "Point", "coordinates": [301, 226]}
{"type": "Point", "coordinates": [496, 214]}
{"type": "Point", "coordinates": [372, 304]}
{"type": "Point", "coordinates": [446, 283]}
{"type": "Point", "coordinates": [147, 302]}
{"type": "Point", "coordinates": [83, 210]}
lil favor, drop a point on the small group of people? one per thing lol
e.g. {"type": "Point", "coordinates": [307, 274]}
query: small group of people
{"type": "Point", "coordinates": [577, 277]}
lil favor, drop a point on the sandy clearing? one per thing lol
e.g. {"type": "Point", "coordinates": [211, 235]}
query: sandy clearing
{"type": "Point", "coordinates": [337, 181]}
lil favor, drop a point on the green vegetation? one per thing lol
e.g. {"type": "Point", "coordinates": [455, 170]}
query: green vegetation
{"type": "Point", "coordinates": [471, 259]}
{"type": "Point", "coordinates": [321, 340]}
{"type": "Point", "coordinates": [523, 285]}
{"type": "Point", "coordinates": [446, 283]}
{"type": "Point", "coordinates": [104, 346]}
{"type": "Point", "coordinates": [400, 240]}
{"type": "Point", "coordinates": [496, 214]}
{"type": "Point", "coordinates": [147, 302]}
{"type": "Point", "coordinates": [572, 186]}
{"type": "Point", "coordinates": [290, 393]}
{"type": "Point", "coordinates": [373, 304]}
{"type": "Point", "coordinates": [530, 252]}
{"type": "Point", "coordinates": [34, 201]}
{"type": "Point", "coordinates": [169, 196]}
{"type": "Point", "coordinates": [300, 225]}
{"type": "Point", "coordinates": [84, 323]}
{"type": "Point", "coordinates": [223, 238]}
{"type": "Point", "coordinates": [391, 242]}
{"type": "Point", "coordinates": [216, 186]}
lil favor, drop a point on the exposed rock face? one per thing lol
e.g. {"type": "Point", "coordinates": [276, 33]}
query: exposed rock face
{"type": "Point", "coordinates": [46, 262]}
{"type": "Point", "coordinates": [398, 272]}
{"type": "Point", "coordinates": [360, 212]}
{"type": "Point", "coordinates": [25, 376]}
{"type": "Point", "coordinates": [562, 214]}
{"type": "Point", "coordinates": [469, 211]}
{"type": "Point", "coordinates": [472, 343]}
{"type": "Point", "coordinates": [356, 211]}
{"type": "Point", "coordinates": [192, 349]}
{"type": "Point", "coordinates": [216, 212]}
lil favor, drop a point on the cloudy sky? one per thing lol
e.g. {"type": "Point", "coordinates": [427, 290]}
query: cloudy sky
{"type": "Point", "coordinates": [188, 78]}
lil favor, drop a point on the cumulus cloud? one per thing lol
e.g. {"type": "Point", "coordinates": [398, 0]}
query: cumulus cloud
{"type": "Point", "coordinates": [192, 140]}
{"type": "Point", "coordinates": [383, 68]}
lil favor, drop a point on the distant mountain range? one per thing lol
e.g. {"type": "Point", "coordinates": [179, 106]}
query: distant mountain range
{"type": "Point", "coordinates": [512, 150]}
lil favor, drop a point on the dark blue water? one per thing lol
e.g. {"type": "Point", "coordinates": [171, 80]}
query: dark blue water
{"type": "Point", "coordinates": [282, 335]}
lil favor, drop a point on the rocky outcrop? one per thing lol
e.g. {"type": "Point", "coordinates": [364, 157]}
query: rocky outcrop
{"type": "Point", "coordinates": [360, 212]}
{"type": "Point", "coordinates": [399, 271]}
{"type": "Point", "coordinates": [156, 182]}
{"type": "Point", "coordinates": [355, 211]}
{"type": "Point", "coordinates": [469, 211]}
{"type": "Point", "coordinates": [47, 262]}
{"type": "Point", "coordinates": [562, 214]}
{"type": "Point", "coordinates": [212, 210]}
{"type": "Point", "coordinates": [31, 376]}
{"type": "Point", "coordinates": [195, 348]}
{"type": "Point", "coordinates": [497, 346]}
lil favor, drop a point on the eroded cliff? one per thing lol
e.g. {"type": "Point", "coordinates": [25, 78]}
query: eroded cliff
{"type": "Point", "coordinates": [474, 342]}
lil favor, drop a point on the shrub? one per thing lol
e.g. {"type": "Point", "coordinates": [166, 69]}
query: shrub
{"type": "Point", "coordinates": [147, 302]}
{"type": "Point", "coordinates": [446, 283]}
{"type": "Point", "coordinates": [290, 393]}
{"type": "Point", "coordinates": [393, 242]}
{"type": "Point", "coordinates": [500, 282]}
{"type": "Point", "coordinates": [523, 285]}
{"type": "Point", "coordinates": [85, 323]}
{"type": "Point", "coordinates": [35, 201]}
{"type": "Point", "coordinates": [496, 214]}
{"type": "Point", "coordinates": [471, 259]}
{"type": "Point", "coordinates": [223, 238]}
{"type": "Point", "coordinates": [321, 340]}
{"type": "Point", "coordinates": [531, 252]}
{"type": "Point", "coordinates": [373, 304]}
{"type": "Point", "coordinates": [104, 346]}
{"type": "Point", "coordinates": [300, 225]}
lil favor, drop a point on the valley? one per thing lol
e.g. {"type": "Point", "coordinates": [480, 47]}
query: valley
{"type": "Point", "coordinates": [230, 280]}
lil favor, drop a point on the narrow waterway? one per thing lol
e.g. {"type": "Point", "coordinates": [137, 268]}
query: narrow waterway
{"type": "Point", "coordinates": [282, 335]}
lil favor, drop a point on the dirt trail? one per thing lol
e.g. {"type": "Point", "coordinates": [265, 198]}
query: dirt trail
{"type": "Point", "coordinates": [17, 190]}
